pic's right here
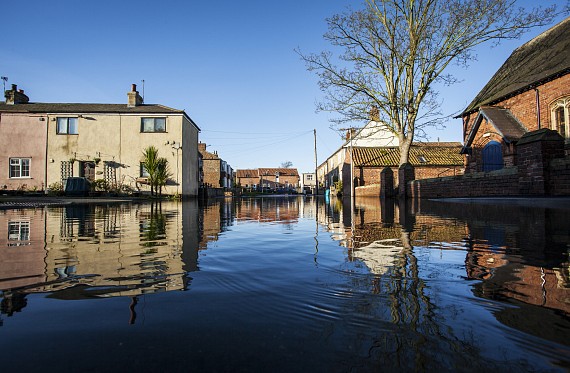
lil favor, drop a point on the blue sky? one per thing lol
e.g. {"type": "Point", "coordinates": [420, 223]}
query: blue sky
{"type": "Point", "coordinates": [229, 64]}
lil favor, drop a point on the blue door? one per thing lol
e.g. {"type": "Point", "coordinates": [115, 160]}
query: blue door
{"type": "Point", "coordinates": [492, 157]}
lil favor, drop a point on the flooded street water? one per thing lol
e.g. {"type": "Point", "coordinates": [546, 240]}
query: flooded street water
{"type": "Point", "coordinates": [285, 285]}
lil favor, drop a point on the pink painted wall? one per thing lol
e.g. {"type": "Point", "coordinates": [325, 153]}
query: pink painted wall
{"type": "Point", "coordinates": [23, 135]}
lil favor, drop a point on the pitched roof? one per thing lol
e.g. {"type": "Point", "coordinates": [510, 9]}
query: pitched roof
{"type": "Point", "coordinates": [246, 173]}
{"type": "Point", "coordinates": [78, 108]}
{"type": "Point", "coordinates": [543, 58]}
{"type": "Point", "coordinates": [430, 154]}
{"type": "Point", "coordinates": [206, 155]}
{"type": "Point", "coordinates": [282, 171]}
{"type": "Point", "coordinates": [503, 121]}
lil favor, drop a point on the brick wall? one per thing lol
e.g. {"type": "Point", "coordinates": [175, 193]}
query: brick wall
{"type": "Point", "coordinates": [497, 183]}
{"type": "Point", "coordinates": [542, 169]}
{"type": "Point", "coordinates": [523, 107]}
{"type": "Point", "coordinates": [212, 172]}
{"type": "Point", "coordinates": [371, 175]}
{"type": "Point", "coordinates": [559, 181]}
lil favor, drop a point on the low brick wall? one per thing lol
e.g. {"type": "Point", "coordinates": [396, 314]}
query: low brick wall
{"type": "Point", "coordinates": [367, 191]}
{"type": "Point", "coordinates": [559, 180]}
{"type": "Point", "coordinates": [541, 170]}
{"type": "Point", "coordinates": [496, 183]}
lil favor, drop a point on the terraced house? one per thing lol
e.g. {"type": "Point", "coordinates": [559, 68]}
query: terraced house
{"type": "Point", "coordinates": [42, 144]}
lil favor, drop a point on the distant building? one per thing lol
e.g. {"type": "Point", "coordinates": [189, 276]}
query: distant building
{"type": "Point", "coordinates": [274, 179]}
{"type": "Point", "coordinates": [45, 143]}
{"type": "Point", "coordinates": [308, 183]}
{"type": "Point", "coordinates": [248, 179]}
{"type": "Point", "coordinates": [217, 172]}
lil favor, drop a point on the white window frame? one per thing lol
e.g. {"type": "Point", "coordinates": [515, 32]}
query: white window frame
{"type": "Point", "coordinates": [20, 165]}
{"type": "Point", "coordinates": [68, 130]}
{"type": "Point", "coordinates": [564, 103]}
{"type": "Point", "coordinates": [144, 129]}
{"type": "Point", "coordinates": [18, 231]}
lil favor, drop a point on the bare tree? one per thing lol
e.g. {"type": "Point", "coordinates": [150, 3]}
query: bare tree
{"type": "Point", "coordinates": [396, 50]}
{"type": "Point", "coordinates": [287, 164]}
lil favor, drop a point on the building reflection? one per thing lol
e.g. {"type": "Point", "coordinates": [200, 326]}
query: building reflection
{"type": "Point", "coordinates": [518, 254]}
{"type": "Point", "coordinates": [269, 209]}
{"type": "Point", "coordinates": [97, 251]}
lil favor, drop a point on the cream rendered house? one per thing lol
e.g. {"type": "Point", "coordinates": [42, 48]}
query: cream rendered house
{"type": "Point", "coordinates": [106, 141]}
{"type": "Point", "coordinates": [374, 134]}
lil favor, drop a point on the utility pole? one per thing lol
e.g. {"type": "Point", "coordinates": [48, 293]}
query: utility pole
{"type": "Point", "coordinates": [316, 177]}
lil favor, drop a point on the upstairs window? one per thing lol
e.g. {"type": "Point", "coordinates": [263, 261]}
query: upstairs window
{"type": "Point", "coordinates": [66, 126]}
{"type": "Point", "coordinates": [19, 167]}
{"type": "Point", "coordinates": [153, 125]}
{"type": "Point", "coordinates": [561, 117]}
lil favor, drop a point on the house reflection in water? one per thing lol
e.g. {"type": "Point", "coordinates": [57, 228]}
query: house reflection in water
{"type": "Point", "coordinates": [93, 251]}
{"type": "Point", "coordinates": [518, 254]}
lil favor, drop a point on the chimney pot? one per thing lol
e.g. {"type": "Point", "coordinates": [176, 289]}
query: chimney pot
{"type": "Point", "coordinates": [14, 87]}
{"type": "Point", "coordinates": [133, 87]}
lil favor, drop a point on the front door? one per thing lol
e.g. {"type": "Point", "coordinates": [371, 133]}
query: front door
{"type": "Point", "coordinates": [87, 170]}
{"type": "Point", "coordinates": [492, 157]}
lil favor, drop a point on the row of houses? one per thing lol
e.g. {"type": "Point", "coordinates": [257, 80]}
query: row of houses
{"type": "Point", "coordinates": [516, 137]}
{"type": "Point", "coordinates": [272, 179]}
{"type": "Point", "coordinates": [44, 144]}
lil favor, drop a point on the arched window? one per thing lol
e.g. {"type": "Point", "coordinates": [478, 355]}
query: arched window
{"type": "Point", "coordinates": [560, 117]}
{"type": "Point", "coordinates": [492, 157]}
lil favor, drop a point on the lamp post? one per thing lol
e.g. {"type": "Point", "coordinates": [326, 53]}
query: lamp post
{"type": "Point", "coordinates": [177, 146]}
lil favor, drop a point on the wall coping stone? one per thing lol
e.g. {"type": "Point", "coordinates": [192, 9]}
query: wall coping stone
{"type": "Point", "coordinates": [543, 134]}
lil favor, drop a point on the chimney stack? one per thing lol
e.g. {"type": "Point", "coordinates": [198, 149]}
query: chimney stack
{"type": "Point", "coordinates": [15, 96]}
{"type": "Point", "coordinates": [374, 114]}
{"type": "Point", "coordinates": [134, 98]}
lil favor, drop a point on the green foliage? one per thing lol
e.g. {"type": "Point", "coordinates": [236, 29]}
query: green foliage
{"type": "Point", "coordinates": [162, 174]}
{"type": "Point", "coordinates": [150, 163]}
{"type": "Point", "coordinates": [100, 185]}
{"type": "Point", "coordinates": [55, 188]}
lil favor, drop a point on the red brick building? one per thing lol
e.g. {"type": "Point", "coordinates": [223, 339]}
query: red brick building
{"type": "Point", "coordinates": [217, 173]}
{"type": "Point", "coordinates": [429, 160]}
{"type": "Point", "coordinates": [284, 179]}
{"type": "Point", "coordinates": [517, 129]}
{"type": "Point", "coordinates": [248, 179]}
{"type": "Point", "coordinates": [531, 91]}
{"type": "Point", "coordinates": [375, 151]}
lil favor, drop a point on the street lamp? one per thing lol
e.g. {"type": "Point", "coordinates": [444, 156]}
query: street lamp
{"type": "Point", "coordinates": [177, 146]}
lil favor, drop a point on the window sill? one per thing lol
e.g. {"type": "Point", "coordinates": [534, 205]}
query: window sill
{"type": "Point", "coordinates": [21, 178]}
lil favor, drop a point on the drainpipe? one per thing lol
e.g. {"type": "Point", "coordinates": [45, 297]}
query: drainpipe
{"type": "Point", "coordinates": [46, 160]}
{"type": "Point", "coordinates": [537, 107]}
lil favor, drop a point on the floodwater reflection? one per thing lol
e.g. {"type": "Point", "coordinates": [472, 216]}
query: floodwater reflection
{"type": "Point", "coordinates": [286, 284]}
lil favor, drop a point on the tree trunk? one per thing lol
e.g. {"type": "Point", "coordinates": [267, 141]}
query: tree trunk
{"type": "Point", "coordinates": [405, 145]}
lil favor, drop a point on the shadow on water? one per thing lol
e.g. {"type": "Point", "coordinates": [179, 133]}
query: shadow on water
{"type": "Point", "coordinates": [288, 284]}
